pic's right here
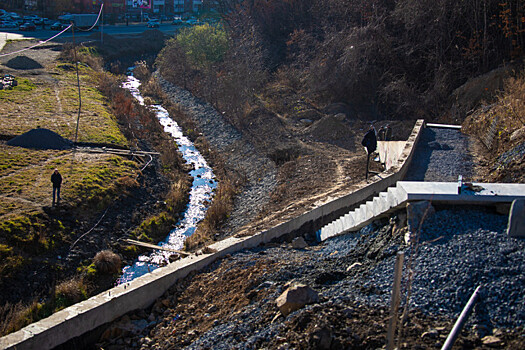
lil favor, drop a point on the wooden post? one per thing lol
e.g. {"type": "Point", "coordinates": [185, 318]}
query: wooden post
{"type": "Point", "coordinates": [367, 163]}
{"type": "Point", "coordinates": [394, 304]}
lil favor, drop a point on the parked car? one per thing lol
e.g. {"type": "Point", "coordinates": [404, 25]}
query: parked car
{"type": "Point", "coordinates": [177, 21]}
{"type": "Point", "coordinates": [31, 18]}
{"type": "Point", "coordinates": [39, 21]}
{"type": "Point", "coordinates": [192, 22]}
{"type": "Point", "coordinates": [15, 17]}
{"type": "Point", "coordinates": [9, 24]}
{"type": "Point", "coordinates": [57, 26]}
{"type": "Point", "coordinates": [28, 26]}
{"type": "Point", "coordinates": [153, 24]}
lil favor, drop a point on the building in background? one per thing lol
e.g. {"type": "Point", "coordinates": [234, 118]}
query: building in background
{"type": "Point", "coordinates": [93, 6]}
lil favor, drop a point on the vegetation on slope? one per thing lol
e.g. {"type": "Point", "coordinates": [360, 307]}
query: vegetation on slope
{"type": "Point", "coordinates": [32, 233]}
{"type": "Point", "coordinates": [399, 58]}
{"type": "Point", "coordinates": [500, 126]}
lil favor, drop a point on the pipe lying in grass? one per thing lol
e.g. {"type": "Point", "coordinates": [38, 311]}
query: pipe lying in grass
{"type": "Point", "coordinates": [462, 319]}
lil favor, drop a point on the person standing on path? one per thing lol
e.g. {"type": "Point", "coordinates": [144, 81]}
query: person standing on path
{"type": "Point", "coordinates": [56, 179]}
{"type": "Point", "coordinates": [370, 143]}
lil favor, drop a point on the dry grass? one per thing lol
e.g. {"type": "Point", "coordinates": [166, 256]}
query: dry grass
{"type": "Point", "coordinates": [53, 104]}
{"type": "Point", "coordinates": [509, 110]}
{"type": "Point", "coordinates": [107, 262]}
{"type": "Point", "coordinates": [14, 317]}
{"type": "Point", "coordinates": [85, 176]}
{"type": "Point", "coordinates": [216, 214]}
{"type": "Point", "coordinates": [69, 292]}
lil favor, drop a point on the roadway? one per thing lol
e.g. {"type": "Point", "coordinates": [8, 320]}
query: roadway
{"type": "Point", "coordinates": [119, 29]}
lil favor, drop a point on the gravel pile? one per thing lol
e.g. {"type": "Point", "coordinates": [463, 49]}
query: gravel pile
{"type": "Point", "coordinates": [441, 155]}
{"type": "Point", "coordinates": [41, 139]}
{"type": "Point", "coordinates": [259, 170]}
{"type": "Point", "coordinates": [23, 62]}
{"type": "Point", "coordinates": [473, 250]}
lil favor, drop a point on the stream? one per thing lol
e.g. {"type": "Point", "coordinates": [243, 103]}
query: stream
{"type": "Point", "coordinates": [201, 193]}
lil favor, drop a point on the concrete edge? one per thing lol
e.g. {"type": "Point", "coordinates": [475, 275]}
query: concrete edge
{"type": "Point", "coordinates": [105, 307]}
{"type": "Point", "coordinates": [444, 126]}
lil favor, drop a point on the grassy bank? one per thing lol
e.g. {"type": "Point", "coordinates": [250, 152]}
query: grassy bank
{"type": "Point", "coordinates": [32, 233]}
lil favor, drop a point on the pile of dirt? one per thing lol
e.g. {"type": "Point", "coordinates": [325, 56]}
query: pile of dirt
{"type": "Point", "coordinates": [332, 129]}
{"type": "Point", "coordinates": [23, 62]}
{"type": "Point", "coordinates": [41, 139]}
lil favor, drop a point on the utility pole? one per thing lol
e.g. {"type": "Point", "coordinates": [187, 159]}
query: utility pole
{"type": "Point", "coordinates": [102, 25]}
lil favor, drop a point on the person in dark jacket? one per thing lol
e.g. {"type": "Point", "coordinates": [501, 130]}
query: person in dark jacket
{"type": "Point", "coordinates": [56, 179]}
{"type": "Point", "coordinates": [370, 143]}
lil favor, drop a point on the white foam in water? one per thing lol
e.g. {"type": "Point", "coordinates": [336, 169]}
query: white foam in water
{"type": "Point", "coordinates": [201, 193]}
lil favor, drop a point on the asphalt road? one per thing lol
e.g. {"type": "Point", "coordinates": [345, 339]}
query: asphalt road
{"type": "Point", "coordinates": [119, 29]}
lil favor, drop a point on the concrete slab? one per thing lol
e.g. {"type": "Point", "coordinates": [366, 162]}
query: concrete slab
{"type": "Point", "coordinates": [516, 226]}
{"type": "Point", "coordinates": [389, 152]}
{"type": "Point", "coordinates": [443, 126]}
{"type": "Point", "coordinates": [448, 192]}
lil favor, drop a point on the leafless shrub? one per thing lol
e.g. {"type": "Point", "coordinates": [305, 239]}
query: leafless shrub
{"type": "Point", "coordinates": [151, 88]}
{"type": "Point", "coordinates": [215, 215]}
{"type": "Point", "coordinates": [141, 71]}
{"type": "Point", "coordinates": [72, 290]}
{"type": "Point", "coordinates": [11, 317]}
{"type": "Point", "coordinates": [107, 262]}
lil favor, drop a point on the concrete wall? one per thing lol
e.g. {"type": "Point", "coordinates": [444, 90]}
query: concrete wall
{"type": "Point", "coordinates": [143, 291]}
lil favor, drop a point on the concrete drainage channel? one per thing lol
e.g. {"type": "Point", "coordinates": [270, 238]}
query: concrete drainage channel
{"type": "Point", "coordinates": [84, 317]}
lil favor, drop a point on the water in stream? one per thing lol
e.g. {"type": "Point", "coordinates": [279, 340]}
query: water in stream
{"type": "Point", "coordinates": [201, 193]}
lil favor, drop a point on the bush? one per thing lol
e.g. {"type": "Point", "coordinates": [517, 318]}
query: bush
{"type": "Point", "coordinates": [216, 214]}
{"type": "Point", "coordinates": [141, 71]}
{"type": "Point", "coordinates": [107, 262]}
{"type": "Point", "coordinates": [69, 292]}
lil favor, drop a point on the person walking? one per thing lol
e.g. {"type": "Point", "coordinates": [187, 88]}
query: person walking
{"type": "Point", "coordinates": [56, 179]}
{"type": "Point", "coordinates": [370, 143]}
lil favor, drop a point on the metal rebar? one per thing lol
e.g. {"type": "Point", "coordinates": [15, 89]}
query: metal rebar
{"type": "Point", "coordinates": [462, 319]}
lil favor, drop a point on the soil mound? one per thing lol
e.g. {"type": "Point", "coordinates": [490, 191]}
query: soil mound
{"type": "Point", "coordinates": [334, 130]}
{"type": "Point", "coordinates": [23, 62]}
{"type": "Point", "coordinates": [41, 139]}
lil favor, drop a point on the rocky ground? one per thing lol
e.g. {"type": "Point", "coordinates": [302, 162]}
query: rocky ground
{"type": "Point", "coordinates": [289, 165]}
{"type": "Point", "coordinates": [232, 304]}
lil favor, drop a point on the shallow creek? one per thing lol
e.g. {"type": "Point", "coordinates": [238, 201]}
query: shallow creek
{"type": "Point", "coordinates": [201, 193]}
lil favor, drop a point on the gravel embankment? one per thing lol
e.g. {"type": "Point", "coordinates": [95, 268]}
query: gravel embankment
{"type": "Point", "coordinates": [231, 304]}
{"type": "Point", "coordinates": [474, 250]}
{"type": "Point", "coordinates": [441, 155]}
{"type": "Point", "coordinates": [239, 154]}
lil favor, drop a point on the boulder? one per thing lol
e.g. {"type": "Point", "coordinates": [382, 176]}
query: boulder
{"type": "Point", "coordinates": [492, 341]}
{"type": "Point", "coordinates": [518, 134]}
{"type": "Point", "coordinates": [295, 298]}
{"type": "Point", "coordinates": [299, 243]}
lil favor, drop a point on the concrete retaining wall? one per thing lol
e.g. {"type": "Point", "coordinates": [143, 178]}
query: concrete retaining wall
{"type": "Point", "coordinates": [83, 317]}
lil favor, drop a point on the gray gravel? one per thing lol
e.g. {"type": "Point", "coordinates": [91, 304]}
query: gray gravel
{"type": "Point", "coordinates": [441, 155]}
{"type": "Point", "coordinates": [473, 250]}
{"type": "Point", "coordinates": [239, 154]}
